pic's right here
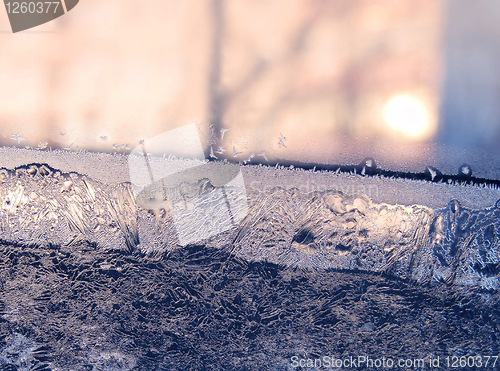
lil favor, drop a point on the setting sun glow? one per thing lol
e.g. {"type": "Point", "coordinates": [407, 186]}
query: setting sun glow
{"type": "Point", "coordinates": [409, 116]}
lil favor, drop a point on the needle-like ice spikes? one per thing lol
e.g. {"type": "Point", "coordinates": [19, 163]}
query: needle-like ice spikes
{"type": "Point", "coordinates": [263, 154]}
{"type": "Point", "coordinates": [236, 154]}
{"type": "Point", "coordinates": [281, 142]}
{"type": "Point", "coordinates": [222, 132]}
{"type": "Point", "coordinates": [212, 153]}
{"type": "Point", "coordinates": [221, 150]}
{"type": "Point", "coordinates": [17, 137]}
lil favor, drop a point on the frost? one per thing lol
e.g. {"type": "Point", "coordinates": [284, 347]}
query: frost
{"type": "Point", "coordinates": [18, 352]}
{"type": "Point", "coordinates": [301, 262]}
{"type": "Point", "coordinates": [111, 361]}
{"type": "Point", "coordinates": [306, 227]}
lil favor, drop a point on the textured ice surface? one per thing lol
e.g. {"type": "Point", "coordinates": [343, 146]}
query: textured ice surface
{"type": "Point", "coordinates": [318, 229]}
{"type": "Point", "coordinates": [321, 264]}
{"type": "Point", "coordinates": [202, 308]}
{"type": "Point", "coordinates": [332, 230]}
{"type": "Point", "coordinates": [43, 206]}
{"type": "Point", "coordinates": [18, 353]}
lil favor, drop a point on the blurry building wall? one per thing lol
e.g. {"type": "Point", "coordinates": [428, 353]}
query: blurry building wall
{"type": "Point", "coordinates": [117, 72]}
{"type": "Point", "coordinates": [122, 70]}
{"type": "Point", "coordinates": [470, 113]}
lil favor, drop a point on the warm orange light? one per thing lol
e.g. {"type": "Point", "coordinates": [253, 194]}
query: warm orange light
{"type": "Point", "coordinates": [407, 115]}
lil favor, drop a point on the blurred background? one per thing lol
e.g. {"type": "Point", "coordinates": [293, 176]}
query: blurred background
{"type": "Point", "coordinates": [411, 83]}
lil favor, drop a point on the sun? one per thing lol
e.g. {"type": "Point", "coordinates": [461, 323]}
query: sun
{"type": "Point", "coordinates": [407, 115]}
